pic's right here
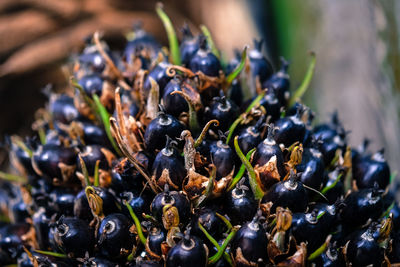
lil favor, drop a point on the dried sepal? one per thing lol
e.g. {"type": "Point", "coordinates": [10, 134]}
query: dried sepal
{"type": "Point", "coordinates": [170, 217]}
{"type": "Point", "coordinates": [67, 173]}
{"type": "Point", "coordinates": [152, 101]}
{"type": "Point", "coordinates": [298, 259]}
{"type": "Point", "coordinates": [164, 179]}
{"type": "Point", "coordinates": [268, 173]}
{"type": "Point", "coordinates": [195, 185]}
{"type": "Point", "coordinates": [283, 219]}
{"type": "Point", "coordinates": [240, 260]}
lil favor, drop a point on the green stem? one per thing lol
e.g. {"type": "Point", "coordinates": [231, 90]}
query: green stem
{"type": "Point", "coordinates": [392, 176]}
{"type": "Point", "coordinates": [42, 135]}
{"type": "Point", "coordinates": [241, 171]}
{"type": "Point", "coordinates": [85, 97]}
{"type": "Point", "coordinates": [232, 76]}
{"type": "Point", "coordinates": [173, 40]}
{"type": "Point", "coordinates": [306, 81]}
{"type": "Point", "coordinates": [255, 187]}
{"type": "Point", "coordinates": [241, 117]}
{"type": "Point", "coordinates": [329, 187]}
{"type": "Point", "coordinates": [50, 253]}
{"type": "Point", "coordinates": [320, 215]}
{"type": "Point", "coordinates": [96, 174]}
{"type": "Point", "coordinates": [105, 118]}
{"type": "Point", "coordinates": [12, 177]}
{"type": "Point", "coordinates": [137, 224]}
{"type": "Point", "coordinates": [215, 243]}
{"type": "Point", "coordinates": [387, 211]}
{"type": "Point", "coordinates": [225, 220]}
{"type": "Point", "coordinates": [23, 146]}
{"type": "Point", "coordinates": [210, 40]}
{"type": "Point", "coordinates": [193, 122]}
{"type": "Point", "coordinates": [221, 251]}
{"type": "Point", "coordinates": [318, 252]}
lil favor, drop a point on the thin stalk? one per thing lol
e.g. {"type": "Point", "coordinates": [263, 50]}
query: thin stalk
{"type": "Point", "coordinates": [329, 187]}
{"type": "Point", "coordinates": [306, 81]}
{"type": "Point", "coordinates": [51, 253]}
{"type": "Point", "coordinates": [221, 251]}
{"type": "Point", "coordinates": [137, 224]}
{"type": "Point", "coordinates": [241, 171]}
{"type": "Point", "coordinates": [255, 187]}
{"type": "Point", "coordinates": [105, 118]}
{"type": "Point", "coordinates": [210, 40]}
{"type": "Point", "coordinates": [232, 76]}
{"type": "Point", "coordinates": [241, 117]}
{"type": "Point", "coordinates": [96, 174]}
{"type": "Point", "coordinates": [215, 243]}
{"type": "Point", "coordinates": [12, 177]}
{"type": "Point", "coordinates": [173, 40]}
{"type": "Point", "coordinates": [225, 220]}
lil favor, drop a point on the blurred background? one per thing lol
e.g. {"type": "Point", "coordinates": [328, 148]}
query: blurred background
{"type": "Point", "coordinates": [356, 42]}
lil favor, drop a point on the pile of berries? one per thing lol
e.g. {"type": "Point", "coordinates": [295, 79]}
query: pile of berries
{"type": "Point", "coordinates": [173, 157]}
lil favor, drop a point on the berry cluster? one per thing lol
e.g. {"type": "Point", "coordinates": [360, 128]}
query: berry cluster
{"type": "Point", "coordinates": [156, 158]}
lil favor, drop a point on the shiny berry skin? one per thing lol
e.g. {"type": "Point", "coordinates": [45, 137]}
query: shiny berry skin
{"type": "Point", "coordinates": [188, 46]}
{"type": "Point", "coordinates": [47, 158]}
{"type": "Point", "coordinates": [305, 225]}
{"type": "Point", "coordinates": [312, 168]}
{"type": "Point", "coordinates": [332, 257]}
{"type": "Point", "coordinates": [362, 205]}
{"type": "Point", "coordinates": [287, 194]}
{"type": "Point", "coordinates": [174, 104]}
{"type": "Point", "coordinates": [94, 135]}
{"type": "Point", "coordinates": [155, 238]}
{"type": "Point", "coordinates": [267, 150]}
{"type": "Point", "coordinates": [364, 250]}
{"type": "Point", "coordinates": [114, 236]}
{"type": "Point", "coordinates": [125, 177]}
{"type": "Point", "coordinates": [91, 59]}
{"type": "Point", "coordinates": [394, 256]}
{"type": "Point", "coordinates": [332, 136]}
{"type": "Point", "coordinates": [62, 201]}
{"type": "Point", "coordinates": [271, 104]}
{"type": "Point", "coordinates": [204, 60]}
{"type": "Point", "coordinates": [259, 65]}
{"type": "Point", "coordinates": [41, 221]}
{"type": "Point", "coordinates": [223, 158]}
{"type": "Point", "coordinates": [368, 171]}
{"type": "Point", "coordinates": [251, 240]}
{"type": "Point", "coordinates": [142, 41]}
{"type": "Point", "coordinates": [74, 236]}
{"type": "Point", "coordinates": [11, 241]}
{"type": "Point", "coordinates": [63, 109]}
{"type": "Point", "coordinates": [159, 128]}
{"type": "Point", "coordinates": [240, 204]}
{"type": "Point", "coordinates": [223, 110]}
{"type": "Point", "coordinates": [336, 191]}
{"type": "Point", "coordinates": [190, 251]}
{"type": "Point", "coordinates": [81, 207]}
{"type": "Point", "coordinates": [280, 82]}
{"type": "Point", "coordinates": [110, 203]}
{"type": "Point", "coordinates": [251, 136]}
{"type": "Point", "coordinates": [209, 220]}
{"type": "Point", "coordinates": [140, 202]}
{"type": "Point", "coordinates": [159, 74]}
{"type": "Point", "coordinates": [169, 159]}
{"type": "Point", "coordinates": [174, 198]}
{"type": "Point", "coordinates": [90, 154]}
{"type": "Point", "coordinates": [92, 84]}
{"type": "Point", "coordinates": [290, 129]}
